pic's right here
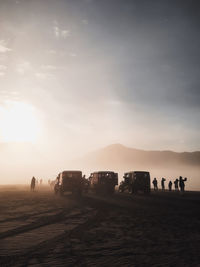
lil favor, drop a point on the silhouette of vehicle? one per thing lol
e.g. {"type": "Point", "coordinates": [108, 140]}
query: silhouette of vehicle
{"type": "Point", "coordinates": [135, 181]}
{"type": "Point", "coordinates": [103, 182]}
{"type": "Point", "coordinates": [69, 181]}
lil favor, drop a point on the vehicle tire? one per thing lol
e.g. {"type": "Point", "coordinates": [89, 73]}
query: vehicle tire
{"type": "Point", "coordinates": [134, 190]}
{"type": "Point", "coordinates": [130, 190]}
{"type": "Point", "coordinates": [147, 191]}
{"type": "Point", "coordinates": [79, 192]}
{"type": "Point", "coordinates": [55, 190]}
{"type": "Point", "coordinates": [111, 190]}
{"type": "Point", "coordinates": [61, 192]}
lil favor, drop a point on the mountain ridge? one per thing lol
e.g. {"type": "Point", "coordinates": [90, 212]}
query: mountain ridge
{"type": "Point", "coordinates": [116, 155]}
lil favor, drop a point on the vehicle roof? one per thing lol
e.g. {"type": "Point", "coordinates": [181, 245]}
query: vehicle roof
{"type": "Point", "coordinates": [71, 172]}
{"type": "Point", "coordinates": [137, 172]}
{"type": "Point", "coordinates": [103, 172]}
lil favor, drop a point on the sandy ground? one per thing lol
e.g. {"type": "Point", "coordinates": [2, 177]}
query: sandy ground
{"type": "Point", "coordinates": [41, 229]}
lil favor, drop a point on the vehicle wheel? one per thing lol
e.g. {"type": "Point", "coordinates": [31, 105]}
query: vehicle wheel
{"type": "Point", "coordinates": [61, 192]}
{"type": "Point", "coordinates": [134, 190]}
{"type": "Point", "coordinates": [79, 192]}
{"type": "Point", "coordinates": [111, 191]}
{"type": "Point", "coordinates": [130, 190]}
{"type": "Point", "coordinates": [147, 190]}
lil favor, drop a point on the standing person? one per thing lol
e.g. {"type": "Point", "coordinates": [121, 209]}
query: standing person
{"type": "Point", "coordinates": [176, 185]}
{"type": "Point", "coordinates": [170, 185]}
{"type": "Point", "coordinates": [155, 184]}
{"type": "Point", "coordinates": [163, 183]}
{"type": "Point", "coordinates": [40, 181]}
{"type": "Point", "coordinates": [33, 180]}
{"type": "Point", "coordinates": [182, 183]}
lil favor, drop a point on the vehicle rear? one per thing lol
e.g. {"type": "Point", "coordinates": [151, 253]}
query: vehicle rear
{"type": "Point", "coordinates": [141, 181]}
{"type": "Point", "coordinates": [103, 182]}
{"type": "Point", "coordinates": [135, 181]}
{"type": "Point", "coordinates": [70, 181]}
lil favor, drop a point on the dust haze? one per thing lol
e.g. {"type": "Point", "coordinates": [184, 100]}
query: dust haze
{"type": "Point", "coordinates": [20, 162]}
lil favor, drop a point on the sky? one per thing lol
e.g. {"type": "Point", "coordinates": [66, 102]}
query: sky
{"type": "Point", "coordinates": [77, 75]}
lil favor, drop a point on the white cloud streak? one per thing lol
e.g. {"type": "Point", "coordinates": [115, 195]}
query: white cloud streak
{"type": "Point", "coordinates": [48, 67]}
{"type": "Point", "coordinates": [3, 67]}
{"type": "Point", "coordinates": [23, 67]}
{"type": "Point", "coordinates": [60, 33]}
{"type": "Point", "coordinates": [3, 47]}
{"type": "Point", "coordinates": [43, 75]}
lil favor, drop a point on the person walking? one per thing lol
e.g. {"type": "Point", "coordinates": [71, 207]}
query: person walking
{"type": "Point", "coordinates": [170, 185]}
{"type": "Point", "coordinates": [155, 184]}
{"type": "Point", "coordinates": [33, 180]}
{"type": "Point", "coordinates": [163, 183]}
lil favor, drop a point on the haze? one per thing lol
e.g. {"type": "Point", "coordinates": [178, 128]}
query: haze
{"type": "Point", "coordinates": [76, 76]}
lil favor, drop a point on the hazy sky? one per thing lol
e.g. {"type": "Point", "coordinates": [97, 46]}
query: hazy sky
{"type": "Point", "coordinates": [88, 73]}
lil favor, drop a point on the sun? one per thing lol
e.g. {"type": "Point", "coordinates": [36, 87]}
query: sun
{"type": "Point", "coordinates": [18, 122]}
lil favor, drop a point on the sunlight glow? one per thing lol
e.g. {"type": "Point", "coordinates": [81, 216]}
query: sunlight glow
{"type": "Point", "coordinates": [18, 122]}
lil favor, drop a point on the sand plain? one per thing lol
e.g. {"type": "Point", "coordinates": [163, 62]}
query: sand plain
{"type": "Point", "coordinates": [41, 229]}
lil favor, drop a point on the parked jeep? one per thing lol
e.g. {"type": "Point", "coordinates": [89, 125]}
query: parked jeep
{"type": "Point", "coordinates": [103, 182]}
{"type": "Point", "coordinates": [69, 181]}
{"type": "Point", "coordinates": [135, 181]}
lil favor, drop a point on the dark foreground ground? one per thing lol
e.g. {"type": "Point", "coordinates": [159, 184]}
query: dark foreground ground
{"type": "Point", "coordinates": [40, 229]}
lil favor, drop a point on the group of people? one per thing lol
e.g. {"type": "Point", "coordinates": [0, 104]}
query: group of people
{"type": "Point", "coordinates": [35, 182]}
{"type": "Point", "coordinates": [178, 184]}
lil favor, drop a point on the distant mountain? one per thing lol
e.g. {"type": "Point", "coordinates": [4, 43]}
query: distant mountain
{"type": "Point", "coordinates": [119, 157]}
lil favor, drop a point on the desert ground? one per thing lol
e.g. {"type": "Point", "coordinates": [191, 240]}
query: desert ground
{"type": "Point", "coordinates": [41, 229]}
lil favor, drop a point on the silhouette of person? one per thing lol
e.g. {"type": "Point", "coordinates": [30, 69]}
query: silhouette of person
{"type": "Point", "coordinates": [155, 184]}
{"type": "Point", "coordinates": [170, 185]}
{"type": "Point", "coordinates": [182, 183]}
{"type": "Point", "coordinates": [163, 183]}
{"type": "Point", "coordinates": [176, 185]}
{"type": "Point", "coordinates": [40, 181]}
{"type": "Point", "coordinates": [33, 180]}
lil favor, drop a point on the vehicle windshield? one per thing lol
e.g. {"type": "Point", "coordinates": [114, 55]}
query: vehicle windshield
{"type": "Point", "coordinates": [106, 175]}
{"type": "Point", "coordinates": [142, 174]}
{"type": "Point", "coordinates": [72, 175]}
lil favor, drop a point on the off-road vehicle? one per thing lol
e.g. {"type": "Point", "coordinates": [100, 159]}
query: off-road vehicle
{"type": "Point", "coordinates": [135, 181]}
{"type": "Point", "coordinates": [69, 181]}
{"type": "Point", "coordinates": [103, 182]}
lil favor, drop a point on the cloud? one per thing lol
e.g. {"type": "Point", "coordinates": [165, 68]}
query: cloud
{"type": "Point", "coordinates": [3, 47]}
{"type": "Point", "coordinates": [43, 75]}
{"type": "Point", "coordinates": [60, 33]}
{"type": "Point", "coordinates": [3, 67]}
{"type": "Point", "coordinates": [23, 67]}
{"type": "Point", "coordinates": [56, 31]}
{"type": "Point", "coordinates": [114, 102]}
{"type": "Point", "coordinates": [88, 1]}
{"type": "Point", "coordinates": [85, 21]}
{"type": "Point", "coordinates": [51, 51]}
{"type": "Point", "coordinates": [65, 33]}
{"type": "Point", "coordinates": [73, 54]}
{"type": "Point", "coordinates": [48, 67]}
